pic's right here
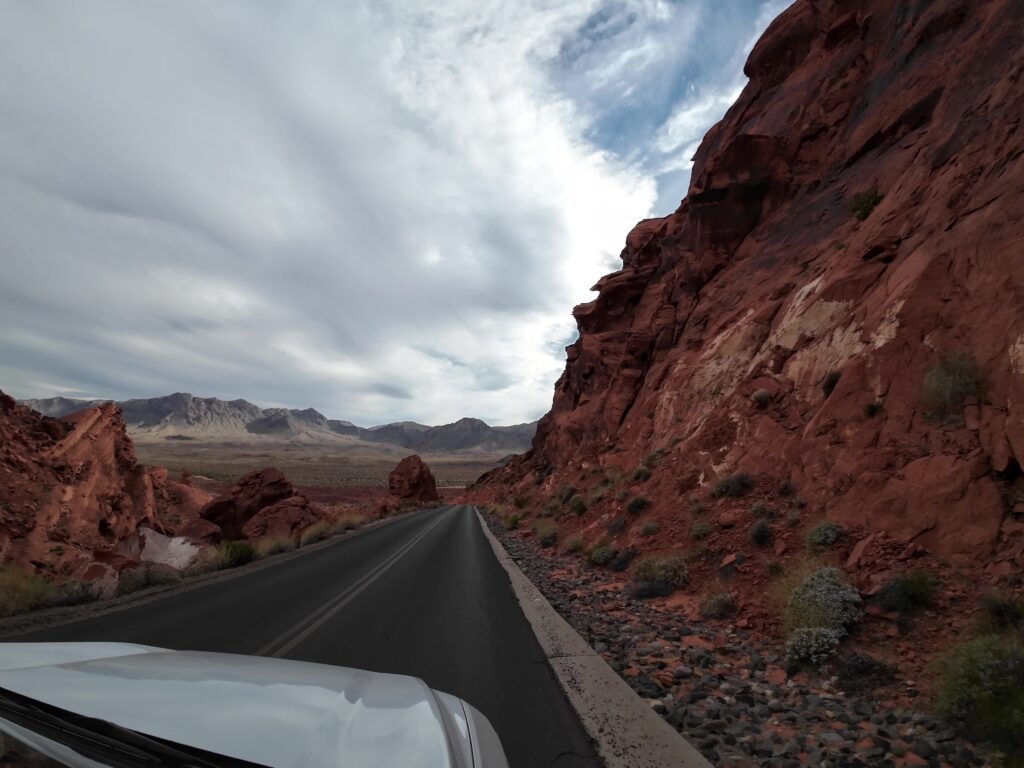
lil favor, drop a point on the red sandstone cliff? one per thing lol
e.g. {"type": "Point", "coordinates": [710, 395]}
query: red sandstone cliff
{"type": "Point", "coordinates": [764, 281]}
{"type": "Point", "coordinates": [71, 489]}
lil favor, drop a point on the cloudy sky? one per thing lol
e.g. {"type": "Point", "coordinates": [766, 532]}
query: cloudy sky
{"type": "Point", "coordinates": [382, 209]}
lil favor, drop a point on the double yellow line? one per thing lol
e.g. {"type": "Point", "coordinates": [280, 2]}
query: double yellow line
{"type": "Point", "coordinates": [291, 637]}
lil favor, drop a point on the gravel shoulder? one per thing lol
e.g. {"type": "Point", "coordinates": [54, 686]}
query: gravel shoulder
{"type": "Point", "coordinates": [726, 694]}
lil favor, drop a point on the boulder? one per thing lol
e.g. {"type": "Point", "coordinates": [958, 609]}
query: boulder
{"type": "Point", "coordinates": [412, 481]}
{"type": "Point", "coordinates": [260, 503]}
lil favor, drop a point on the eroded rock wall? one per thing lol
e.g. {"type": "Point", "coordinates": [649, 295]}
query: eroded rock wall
{"type": "Point", "coordinates": [766, 281]}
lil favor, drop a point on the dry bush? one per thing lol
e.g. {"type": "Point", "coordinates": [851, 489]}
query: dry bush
{"type": "Point", "coordinates": [21, 591]}
{"type": "Point", "coordinates": [314, 533]}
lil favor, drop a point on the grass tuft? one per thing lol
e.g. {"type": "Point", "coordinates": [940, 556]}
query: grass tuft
{"type": "Point", "coordinates": [733, 486]}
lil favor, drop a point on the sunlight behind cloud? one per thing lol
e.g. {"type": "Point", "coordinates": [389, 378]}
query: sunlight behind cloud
{"type": "Point", "coordinates": [290, 203]}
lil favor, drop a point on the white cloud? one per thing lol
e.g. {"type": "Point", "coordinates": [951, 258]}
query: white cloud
{"type": "Point", "coordinates": [292, 202]}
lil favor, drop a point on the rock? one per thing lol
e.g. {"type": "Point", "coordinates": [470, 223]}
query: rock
{"type": "Point", "coordinates": [411, 480]}
{"type": "Point", "coordinates": [861, 143]}
{"type": "Point", "coordinates": [410, 485]}
{"type": "Point", "coordinates": [71, 489]}
{"type": "Point", "coordinates": [261, 503]}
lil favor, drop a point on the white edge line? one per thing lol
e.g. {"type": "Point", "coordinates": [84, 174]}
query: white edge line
{"type": "Point", "coordinates": [625, 730]}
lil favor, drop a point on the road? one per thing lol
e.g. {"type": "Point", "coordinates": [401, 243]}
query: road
{"type": "Point", "coordinates": [423, 596]}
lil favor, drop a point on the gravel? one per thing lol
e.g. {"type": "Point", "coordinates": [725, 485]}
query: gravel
{"type": "Point", "coordinates": [724, 694]}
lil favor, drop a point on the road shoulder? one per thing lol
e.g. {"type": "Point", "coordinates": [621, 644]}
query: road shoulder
{"type": "Point", "coordinates": [47, 618]}
{"type": "Point", "coordinates": [626, 732]}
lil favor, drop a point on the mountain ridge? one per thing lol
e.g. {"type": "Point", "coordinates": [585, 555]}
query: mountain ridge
{"type": "Point", "coordinates": [183, 416]}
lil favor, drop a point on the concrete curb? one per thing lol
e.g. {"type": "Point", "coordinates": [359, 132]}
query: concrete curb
{"type": "Point", "coordinates": [625, 730]}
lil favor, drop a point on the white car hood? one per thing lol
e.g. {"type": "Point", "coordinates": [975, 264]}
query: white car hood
{"type": "Point", "coordinates": [268, 711]}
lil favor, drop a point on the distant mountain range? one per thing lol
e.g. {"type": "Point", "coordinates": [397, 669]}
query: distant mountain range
{"type": "Point", "coordinates": [182, 416]}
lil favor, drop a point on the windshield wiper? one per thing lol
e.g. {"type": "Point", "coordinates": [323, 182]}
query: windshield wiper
{"type": "Point", "coordinates": [107, 742]}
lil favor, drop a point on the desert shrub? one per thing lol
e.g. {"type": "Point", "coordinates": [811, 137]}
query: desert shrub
{"type": "Point", "coordinates": [669, 569]}
{"type": "Point", "coordinates": [616, 525]}
{"type": "Point", "coordinates": [872, 409]}
{"type": "Point", "coordinates": [760, 532]}
{"type": "Point", "coordinates": [596, 495]}
{"type": "Point", "coordinates": [519, 502]}
{"type": "Point", "coordinates": [637, 505]}
{"type": "Point", "coordinates": [21, 591]}
{"type": "Point", "coordinates": [720, 606]}
{"type": "Point", "coordinates": [762, 398]}
{"type": "Point", "coordinates": [950, 383]}
{"type": "Point", "coordinates": [641, 474]}
{"type": "Point", "coordinates": [775, 568]}
{"type": "Point", "coordinates": [314, 533]}
{"type": "Point", "coordinates": [227, 554]}
{"type": "Point", "coordinates": [143, 576]}
{"type": "Point", "coordinates": [733, 486]}
{"type": "Point", "coordinates": [697, 506]}
{"type": "Point", "coordinates": [573, 544]}
{"type": "Point", "coordinates": [566, 493]}
{"type": "Point", "coordinates": [577, 506]}
{"type": "Point", "coordinates": [74, 593]}
{"type": "Point", "coordinates": [654, 458]}
{"type": "Point", "coordinates": [863, 203]}
{"type": "Point", "coordinates": [509, 521]}
{"type": "Point", "coordinates": [907, 592]}
{"type": "Point", "coordinates": [786, 488]}
{"type": "Point", "coordinates": [858, 672]}
{"type": "Point", "coordinates": [812, 644]}
{"type": "Point", "coordinates": [642, 590]}
{"type": "Point", "coordinates": [649, 528]}
{"type": "Point", "coordinates": [547, 532]}
{"type": "Point", "coordinates": [824, 599]}
{"type": "Point", "coordinates": [828, 384]}
{"type": "Point", "coordinates": [622, 561]}
{"type": "Point", "coordinates": [348, 522]}
{"type": "Point", "coordinates": [274, 545]}
{"type": "Point", "coordinates": [824, 535]}
{"type": "Point", "coordinates": [1001, 614]}
{"type": "Point", "coordinates": [982, 693]}
{"type": "Point", "coordinates": [621, 495]}
{"type": "Point", "coordinates": [603, 554]}
{"type": "Point", "coordinates": [700, 529]}
{"type": "Point", "coordinates": [760, 509]}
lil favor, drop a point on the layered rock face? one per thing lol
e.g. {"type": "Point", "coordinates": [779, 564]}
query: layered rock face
{"type": "Point", "coordinates": [71, 489]}
{"type": "Point", "coordinates": [851, 243]}
{"type": "Point", "coordinates": [262, 503]}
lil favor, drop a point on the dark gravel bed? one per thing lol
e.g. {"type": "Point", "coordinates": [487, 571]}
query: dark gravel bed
{"type": "Point", "coordinates": [727, 694]}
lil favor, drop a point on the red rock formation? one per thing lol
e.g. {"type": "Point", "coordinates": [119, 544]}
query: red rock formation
{"type": "Point", "coordinates": [765, 279]}
{"type": "Point", "coordinates": [410, 484]}
{"type": "Point", "coordinates": [412, 481]}
{"type": "Point", "coordinates": [71, 489]}
{"type": "Point", "coordinates": [261, 503]}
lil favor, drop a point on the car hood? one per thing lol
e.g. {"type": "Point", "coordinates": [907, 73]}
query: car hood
{"type": "Point", "coordinates": [268, 711]}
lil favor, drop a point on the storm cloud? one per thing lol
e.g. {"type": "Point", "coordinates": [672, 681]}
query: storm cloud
{"type": "Point", "coordinates": [384, 210]}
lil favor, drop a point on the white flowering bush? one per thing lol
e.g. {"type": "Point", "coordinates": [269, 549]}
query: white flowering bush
{"type": "Point", "coordinates": [812, 644]}
{"type": "Point", "coordinates": [818, 615]}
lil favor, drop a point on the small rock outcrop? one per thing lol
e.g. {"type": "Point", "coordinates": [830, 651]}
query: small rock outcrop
{"type": "Point", "coordinates": [412, 482]}
{"type": "Point", "coordinates": [72, 491]}
{"type": "Point", "coordinates": [261, 503]}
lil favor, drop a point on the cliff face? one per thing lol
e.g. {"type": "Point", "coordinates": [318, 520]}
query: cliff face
{"type": "Point", "coordinates": [853, 226]}
{"type": "Point", "coordinates": [71, 489]}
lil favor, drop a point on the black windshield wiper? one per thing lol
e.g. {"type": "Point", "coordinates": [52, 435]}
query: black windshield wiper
{"type": "Point", "coordinates": [107, 742]}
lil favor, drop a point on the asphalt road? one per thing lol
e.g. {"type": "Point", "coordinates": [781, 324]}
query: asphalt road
{"type": "Point", "coordinates": [420, 596]}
